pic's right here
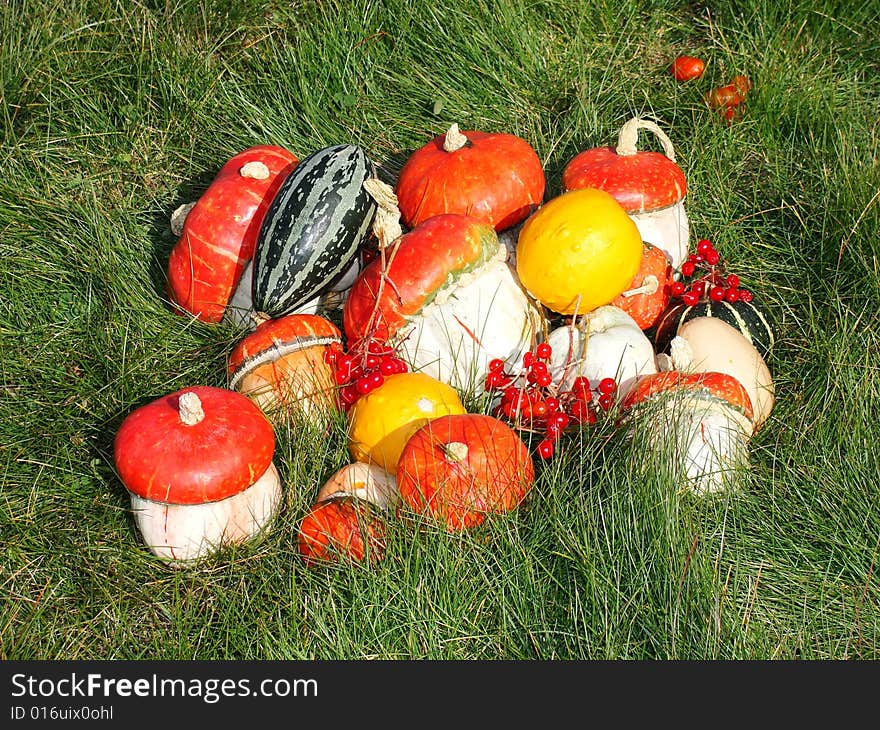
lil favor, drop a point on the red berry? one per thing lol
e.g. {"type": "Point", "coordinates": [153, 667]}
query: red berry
{"type": "Point", "coordinates": [676, 289]}
{"type": "Point", "coordinates": [605, 400]}
{"type": "Point", "coordinates": [690, 299]}
{"type": "Point", "coordinates": [704, 245]}
{"type": "Point", "coordinates": [539, 368]}
{"type": "Point", "coordinates": [363, 385]}
{"type": "Point", "coordinates": [553, 430]}
{"type": "Point", "coordinates": [376, 380]}
{"type": "Point", "coordinates": [552, 404]}
{"type": "Point", "coordinates": [528, 358]}
{"type": "Point", "coordinates": [349, 394]}
{"type": "Point", "coordinates": [698, 288]}
{"type": "Point", "coordinates": [745, 295]}
{"type": "Point", "coordinates": [732, 281]}
{"type": "Point", "coordinates": [496, 365]}
{"type": "Point", "coordinates": [731, 295]}
{"type": "Point", "coordinates": [544, 379]}
{"type": "Point", "coordinates": [560, 419]}
{"type": "Point", "coordinates": [544, 351]}
{"type": "Point", "coordinates": [688, 268]}
{"type": "Point", "coordinates": [539, 409]}
{"type": "Point", "coordinates": [371, 362]}
{"type": "Point", "coordinates": [388, 366]}
{"type": "Point", "coordinates": [545, 449]}
{"type": "Point", "coordinates": [716, 293]}
{"type": "Point", "coordinates": [712, 258]}
{"type": "Point", "coordinates": [579, 410]}
{"type": "Point", "coordinates": [581, 389]}
{"type": "Point", "coordinates": [607, 386]}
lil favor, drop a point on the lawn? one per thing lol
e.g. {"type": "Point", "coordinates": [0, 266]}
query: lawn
{"type": "Point", "coordinates": [115, 113]}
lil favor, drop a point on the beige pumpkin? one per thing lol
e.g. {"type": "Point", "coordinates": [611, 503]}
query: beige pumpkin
{"type": "Point", "coordinates": [708, 344]}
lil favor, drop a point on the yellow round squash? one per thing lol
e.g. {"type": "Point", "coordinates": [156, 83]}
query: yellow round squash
{"type": "Point", "coordinates": [382, 421]}
{"type": "Point", "coordinates": [578, 252]}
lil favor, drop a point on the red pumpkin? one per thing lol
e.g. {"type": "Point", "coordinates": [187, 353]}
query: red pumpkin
{"type": "Point", "coordinates": [198, 466]}
{"type": "Point", "coordinates": [495, 177]}
{"type": "Point", "coordinates": [281, 366]}
{"type": "Point", "coordinates": [458, 469]}
{"type": "Point", "coordinates": [648, 294]}
{"type": "Point", "coordinates": [649, 185]}
{"type": "Point", "coordinates": [220, 231]}
{"type": "Point", "coordinates": [341, 525]}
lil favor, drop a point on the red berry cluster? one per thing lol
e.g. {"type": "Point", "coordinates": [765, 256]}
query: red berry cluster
{"type": "Point", "coordinates": [363, 368]}
{"type": "Point", "coordinates": [707, 278]}
{"type": "Point", "coordinates": [530, 400]}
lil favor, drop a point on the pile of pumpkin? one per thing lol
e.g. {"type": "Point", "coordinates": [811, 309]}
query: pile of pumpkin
{"type": "Point", "coordinates": [461, 284]}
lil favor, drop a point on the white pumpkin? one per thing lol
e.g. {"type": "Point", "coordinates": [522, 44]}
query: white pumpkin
{"type": "Point", "coordinates": [605, 343]}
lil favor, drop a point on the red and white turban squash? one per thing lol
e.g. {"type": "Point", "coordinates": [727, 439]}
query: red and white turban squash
{"type": "Point", "coordinates": [493, 176]}
{"type": "Point", "coordinates": [650, 186]}
{"type": "Point", "coordinates": [448, 301]}
{"type": "Point", "coordinates": [697, 424]}
{"type": "Point", "coordinates": [281, 367]}
{"type": "Point", "coordinates": [197, 464]}
{"type": "Point", "coordinates": [219, 233]}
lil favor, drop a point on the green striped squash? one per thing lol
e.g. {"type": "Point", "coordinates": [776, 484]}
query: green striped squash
{"type": "Point", "coordinates": [747, 317]}
{"type": "Point", "coordinates": [313, 229]}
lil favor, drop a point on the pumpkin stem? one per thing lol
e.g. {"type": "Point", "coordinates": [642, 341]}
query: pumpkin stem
{"type": "Point", "coordinates": [456, 451]}
{"type": "Point", "coordinates": [189, 407]}
{"type": "Point", "coordinates": [650, 284]}
{"type": "Point", "coordinates": [629, 136]}
{"type": "Point", "coordinates": [454, 139]}
{"type": "Point", "coordinates": [256, 170]}
{"type": "Point", "coordinates": [386, 224]}
{"type": "Point", "coordinates": [259, 317]}
{"type": "Point", "coordinates": [178, 217]}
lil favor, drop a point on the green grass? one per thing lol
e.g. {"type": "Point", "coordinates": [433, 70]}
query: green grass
{"type": "Point", "coordinates": [115, 113]}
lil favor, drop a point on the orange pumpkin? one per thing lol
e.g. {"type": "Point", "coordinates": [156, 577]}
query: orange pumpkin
{"type": "Point", "coordinates": [341, 526]}
{"type": "Point", "coordinates": [458, 469]}
{"type": "Point", "coordinates": [648, 294]}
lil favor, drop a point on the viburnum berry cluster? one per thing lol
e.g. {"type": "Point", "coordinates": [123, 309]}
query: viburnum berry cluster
{"type": "Point", "coordinates": [531, 401]}
{"type": "Point", "coordinates": [362, 368]}
{"type": "Point", "coordinates": [707, 278]}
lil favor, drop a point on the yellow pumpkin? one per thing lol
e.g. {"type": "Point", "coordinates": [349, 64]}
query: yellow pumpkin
{"type": "Point", "coordinates": [382, 421]}
{"type": "Point", "coordinates": [578, 252]}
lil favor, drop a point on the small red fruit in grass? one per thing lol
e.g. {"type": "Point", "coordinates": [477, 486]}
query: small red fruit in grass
{"type": "Point", "coordinates": [686, 68]}
{"type": "Point", "coordinates": [544, 351]}
{"type": "Point", "coordinates": [742, 84]}
{"type": "Point", "coordinates": [545, 449]}
{"type": "Point", "coordinates": [341, 527]}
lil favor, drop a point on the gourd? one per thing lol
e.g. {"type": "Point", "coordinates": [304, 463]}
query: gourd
{"type": "Point", "coordinates": [459, 469]}
{"type": "Point", "coordinates": [197, 464]}
{"type": "Point", "coordinates": [495, 177]}
{"type": "Point", "coordinates": [578, 252]}
{"type": "Point", "coordinates": [341, 526]}
{"type": "Point", "coordinates": [605, 343]}
{"type": "Point", "coordinates": [281, 367]}
{"type": "Point", "coordinates": [649, 185]}
{"type": "Point", "coordinates": [695, 424]}
{"type": "Point", "coordinates": [446, 300]}
{"type": "Point", "coordinates": [218, 233]}
{"type": "Point", "coordinates": [311, 233]}
{"type": "Point", "coordinates": [746, 316]}
{"type": "Point", "coordinates": [368, 482]}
